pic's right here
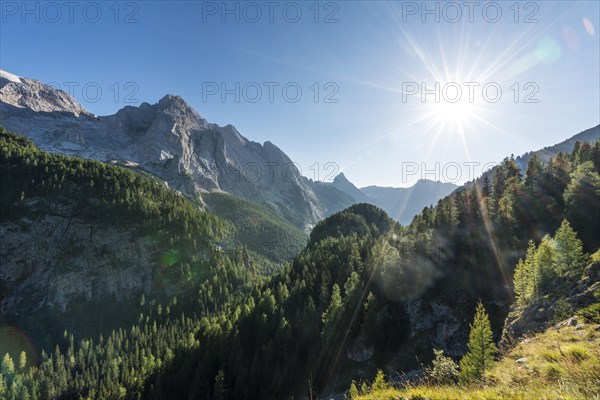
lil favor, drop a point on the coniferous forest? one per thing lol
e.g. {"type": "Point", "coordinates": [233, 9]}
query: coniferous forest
{"type": "Point", "coordinates": [222, 327]}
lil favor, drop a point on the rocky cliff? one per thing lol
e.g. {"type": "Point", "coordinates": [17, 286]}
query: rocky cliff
{"type": "Point", "coordinates": [58, 258]}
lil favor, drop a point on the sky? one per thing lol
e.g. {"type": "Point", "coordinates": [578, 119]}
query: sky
{"type": "Point", "coordinates": [386, 92]}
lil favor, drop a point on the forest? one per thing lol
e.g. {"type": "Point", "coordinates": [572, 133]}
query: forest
{"type": "Point", "coordinates": [237, 334]}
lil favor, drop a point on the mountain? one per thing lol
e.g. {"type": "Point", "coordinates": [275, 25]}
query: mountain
{"type": "Point", "coordinates": [341, 183]}
{"type": "Point", "coordinates": [171, 140]}
{"type": "Point", "coordinates": [33, 95]}
{"type": "Point", "coordinates": [566, 146]}
{"type": "Point", "coordinates": [543, 155]}
{"type": "Point", "coordinates": [403, 204]}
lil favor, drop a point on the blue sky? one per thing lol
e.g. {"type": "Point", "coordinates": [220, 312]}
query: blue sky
{"type": "Point", "coordinates": [367, 61]}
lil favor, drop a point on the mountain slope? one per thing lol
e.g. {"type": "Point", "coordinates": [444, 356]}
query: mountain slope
{"type": "Point", "coordinates": [74, 229]}
{"type": "Point", "coordinates": [562, 362]}
{"type": "Point", "coordinates": [543, 155]}
{"type": "Point", "coordinates": [566, 146]}
{"type": "Point", "coordinates": [259, 228]}
{"type": "Point", "coordinates": [551, 349]}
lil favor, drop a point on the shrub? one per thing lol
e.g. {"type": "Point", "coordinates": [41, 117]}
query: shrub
{"type": "Point", "coordinates": [591, 313]}
{"type": "Point", "coordinates": [444, 370]}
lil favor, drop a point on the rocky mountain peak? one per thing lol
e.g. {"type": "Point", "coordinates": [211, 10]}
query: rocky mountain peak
{"type": "Point", "coordinates": [340, 178]}
{"type": "Point", "coordinates": [177, 104]}
{"type": "Point", "coordinates": [36, 96]}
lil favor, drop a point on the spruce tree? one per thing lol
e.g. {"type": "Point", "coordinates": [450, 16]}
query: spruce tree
{"type": "Point", "coordinates": [481, 347]}
{"type": "Point", "coordinates": [521, 282]}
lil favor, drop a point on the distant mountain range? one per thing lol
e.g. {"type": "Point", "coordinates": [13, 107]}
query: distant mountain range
{"type": "Point", "coordinates": [402, 204]}
{"type": "Point", "coordinates": [171, 141]}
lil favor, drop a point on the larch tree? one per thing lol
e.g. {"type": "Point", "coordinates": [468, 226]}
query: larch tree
{"type": "Point", "coordinates": [569, 249]}
{"type": "Point", "coordinates": [544, 264]}
{"type": "Point", "coordinates": [523, 278]}
{"type": "Point", "coordinates": [482, 348]}
{"type": "Point", "coordinates": [331, 316]}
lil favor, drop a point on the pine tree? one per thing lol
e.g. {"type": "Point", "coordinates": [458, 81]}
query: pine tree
{"type": "Point", "coordinates": [569, 249]}
{"type": "Point", "coordinates": [481, 347]}
{"type": "Point", "coordinates": [7, 366]}
{"type": "Point", "coordinates": [486, 189]}
{"type": "Point", "coordinates": [370, 327]}
{"type": "Point", "coordinates": [521, 282]}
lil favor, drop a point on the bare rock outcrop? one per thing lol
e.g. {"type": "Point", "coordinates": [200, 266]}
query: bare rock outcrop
{"type": "Point", "coordinates": [57, 259]}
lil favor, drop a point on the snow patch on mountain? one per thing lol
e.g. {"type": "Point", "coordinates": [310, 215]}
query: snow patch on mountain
{"type": "Point", "coordinates": [8, 76]}
{"type": "Point", "coordinates": [33, 95]}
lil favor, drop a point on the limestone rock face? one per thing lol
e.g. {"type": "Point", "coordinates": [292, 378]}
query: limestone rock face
{"type": "Point", "coordinates": [57, 259]}
{"type": "Point", "coordinates": [441, 322]}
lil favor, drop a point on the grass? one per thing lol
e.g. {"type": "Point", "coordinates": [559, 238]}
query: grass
{"type": "Point", "coordinates": [556, 364]}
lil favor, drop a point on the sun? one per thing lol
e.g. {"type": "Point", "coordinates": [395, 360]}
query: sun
{"type": "Point", "coordinates": [452, 116]}
{"type": "Point", "coordinates": [448, 109]}
{"type": "Point", "coordinates": [458, 112]}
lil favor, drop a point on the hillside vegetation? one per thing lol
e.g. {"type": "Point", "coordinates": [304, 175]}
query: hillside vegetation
{"type": "Point", "coordinates": [560, 363]}
{"type": "Point", "coordinates": [259, 228]}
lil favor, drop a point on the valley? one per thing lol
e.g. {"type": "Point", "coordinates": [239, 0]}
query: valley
{"type": "Point", "coordinates": [319, 200]}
